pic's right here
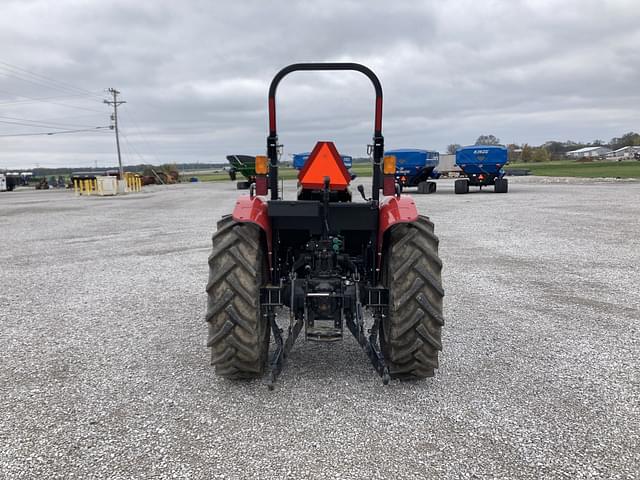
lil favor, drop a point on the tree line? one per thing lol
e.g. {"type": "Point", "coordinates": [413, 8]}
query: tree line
{"type": "Point", "coordinates": [552, 149]}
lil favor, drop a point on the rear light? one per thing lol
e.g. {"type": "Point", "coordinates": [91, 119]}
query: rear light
{"type": "Point", "coordinates": [262, 165]}
{"type": "Point", "coordinates": [481, 177]}
{"type": "Point", "coordinates": [261, 185]}
{"type": "Point", "coordinates": [389, 165]}
{"type": "Point", "coordinates": [388, 185]}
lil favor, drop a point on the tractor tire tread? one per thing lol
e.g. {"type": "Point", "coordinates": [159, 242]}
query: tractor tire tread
{"type": "Point", "coordinates": [411, 335]}
{"type": "Point", "coordinates": [238, 334]}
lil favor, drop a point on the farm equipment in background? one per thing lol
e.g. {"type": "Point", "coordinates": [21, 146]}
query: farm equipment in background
{"type": "Point", "coordinates": [8, 182]}
{"type": "Point", "coordinates": [482, 166]}
{"type": "Point", "coordinates": [57, 181]}
{"type": "Point", "coordinates": [42, 183]}
{"type": "Point", "coordinates": [162, 176]}
{"type": "Point", "coordinates": [300, 159]}
{"type": "Point", "coordinates": [318, 262]}
{"type": "Point", "coordinates": [17, 179]}
{"type": "Point", "coordinates": [415, 167]}
{"type": "Point", "coordinates": [246, 166]}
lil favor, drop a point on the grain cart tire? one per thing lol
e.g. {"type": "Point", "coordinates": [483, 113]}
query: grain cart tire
{"type": "Point", "coordinates": [422, 187]}
{"type": "Point", "coordinates": [461, 186]}
{"type": "Point", "coordinates": [238, 333]}
{"type": "Point", "coordinates": [432, 187]}
{"type": "Point", "coordinates": [410, 334]}
{"type": "Point", "coordinates": [501, 185]}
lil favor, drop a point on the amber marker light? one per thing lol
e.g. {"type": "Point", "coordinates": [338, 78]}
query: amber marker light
{"type": "Point", "coordinates": [389, 165]}
{"type": "Point", "coordinates": [262, 165]}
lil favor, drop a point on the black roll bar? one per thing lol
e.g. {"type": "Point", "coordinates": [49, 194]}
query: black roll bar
{"type": "Point", "coordinates": [272, 139]}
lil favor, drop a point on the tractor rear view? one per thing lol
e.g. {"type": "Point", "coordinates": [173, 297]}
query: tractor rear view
{"type": "Point", "coordinates": [321, 261]}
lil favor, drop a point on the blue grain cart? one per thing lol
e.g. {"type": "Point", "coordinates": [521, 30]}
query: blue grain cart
{"type": "Point", "coordinates": [299, 159]}
{"type": "Point", "coordinates": [415, 167]}
{"type": "Point", "coordinates": [482, 166]}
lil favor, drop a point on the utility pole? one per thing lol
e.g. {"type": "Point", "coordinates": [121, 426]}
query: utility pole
{"type": "Point", "coordinates": [115, 102]}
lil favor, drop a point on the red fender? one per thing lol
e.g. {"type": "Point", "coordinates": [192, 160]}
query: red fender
{"type": "Point", "coordinates": [254, 210]}
{"type": "Point", "coordinates": [394, 210]}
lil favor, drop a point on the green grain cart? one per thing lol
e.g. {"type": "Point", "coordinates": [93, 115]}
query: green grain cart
{"type": "Point", "coordinates": [246, 166]}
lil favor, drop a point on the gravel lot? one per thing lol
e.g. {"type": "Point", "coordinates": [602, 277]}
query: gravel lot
{"type": "Point", "coordinates": [104, 371]}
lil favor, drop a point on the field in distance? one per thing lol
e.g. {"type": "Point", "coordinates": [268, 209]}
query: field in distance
{"type": "Point", "coordinates": [571, 168]}
{"type": "Point", "coordinates": [565, 168]}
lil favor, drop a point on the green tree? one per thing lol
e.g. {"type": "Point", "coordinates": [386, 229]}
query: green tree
{"type": "Point", "coordinates": [526, 154]}
{"type": "Point", "coordinates": [451, 148]}
{"type": "Point", "coordinates": [540, 154]}
{"type": "Point", "coordinates": [514, 153]}
{"type": "Point", "coordinates": [628, 139]}
{"type": "Point", "coordinates": [487, 140]}
{"type": "Point", "coordinates": [556, 149]}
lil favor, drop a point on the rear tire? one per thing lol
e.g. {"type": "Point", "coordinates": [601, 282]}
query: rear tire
{"type": "Point", "coordinates": [501, 185]}
{"type": "Point", "coordinates": [423, 187]}
{"type": "Point", "coordinates": [431, 187]}
{"type": "Point", "coordinates": [238, 333]}
{"type": "Point", "coordinates": [243, 185]}
{"type": "Point", "coordinates": [411, 333]}
{"type": "Point", "coordinates": [461, 186]}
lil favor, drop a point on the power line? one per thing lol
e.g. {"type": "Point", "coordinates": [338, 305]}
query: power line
{"type": "Point", "coordinates": [132, 147]}
{"type": "Point", "coordinates": [41, 126]}
{"type": "Point", "coordinates": [42, 99]}
{"type": "Point", "coordinates": [75, 115]}
{"type": "Point", "coordinates": [20, 72]}
{"type": "Point", "coordinates": [55, 133]}
{"type": "Point", "coordinates": [129, 115]}
{"type": "Point", "coordinates": [54, 103]}
{"type": "Point", "coordinates": [36, 123]}
{"type": "Point", "coordinates": [35, 82]}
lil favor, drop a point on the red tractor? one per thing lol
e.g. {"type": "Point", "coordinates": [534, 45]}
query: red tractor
{"type": "Point", "coordinates": [371, 265]}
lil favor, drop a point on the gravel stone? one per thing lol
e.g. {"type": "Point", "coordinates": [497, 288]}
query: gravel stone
{"type": "Point", "coordinates": [104, 371]}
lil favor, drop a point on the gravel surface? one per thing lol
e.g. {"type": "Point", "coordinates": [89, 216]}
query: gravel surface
{"type": "Point", "coordinates": [104, 371]}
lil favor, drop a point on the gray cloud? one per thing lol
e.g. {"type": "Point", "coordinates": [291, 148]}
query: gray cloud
{"type": "Point", "coordinates": [195, 74]}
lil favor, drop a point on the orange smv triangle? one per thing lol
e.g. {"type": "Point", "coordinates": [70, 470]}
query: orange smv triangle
{"type": "Point", "coordinates": [324, 161]}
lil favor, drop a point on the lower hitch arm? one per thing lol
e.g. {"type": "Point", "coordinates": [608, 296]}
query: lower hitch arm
{"type": "Point", "coordinates": [283, 347]}
{"type": "Point", "coordinates": [370, 345]}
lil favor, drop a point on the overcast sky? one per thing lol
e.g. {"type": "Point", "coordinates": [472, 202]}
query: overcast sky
{"type": "Point", "coordinates": [195, 75]}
